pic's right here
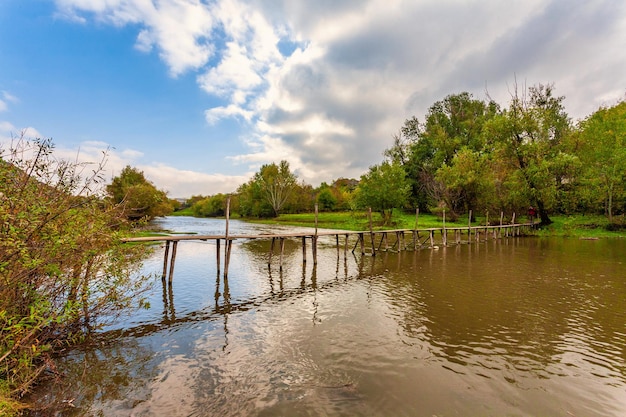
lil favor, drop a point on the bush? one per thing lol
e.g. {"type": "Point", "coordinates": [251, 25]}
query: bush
{"type": "Point", "coordinates": [63, 268]}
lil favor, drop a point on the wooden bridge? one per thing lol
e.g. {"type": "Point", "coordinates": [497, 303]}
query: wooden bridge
{"type": "Point", "coordinates": [368, 242]}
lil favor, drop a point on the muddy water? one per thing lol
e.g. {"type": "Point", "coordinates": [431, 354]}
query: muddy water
{"type": "Point", "coordinates": [513, 327]}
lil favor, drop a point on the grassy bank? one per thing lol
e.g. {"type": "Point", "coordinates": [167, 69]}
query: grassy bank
{"type": "Point", "coordinates": [579, 226]}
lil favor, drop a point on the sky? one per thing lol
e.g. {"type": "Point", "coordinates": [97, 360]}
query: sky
{"type": "Point", "coordinates": [199, 94]}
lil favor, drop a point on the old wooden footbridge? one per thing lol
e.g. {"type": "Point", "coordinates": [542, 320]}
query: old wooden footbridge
{"type": "Point", "coordinates": [368, 242]}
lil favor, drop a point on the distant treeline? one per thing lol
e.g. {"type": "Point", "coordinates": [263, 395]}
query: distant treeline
{"type": "Point", "coordinates": [467, 155]}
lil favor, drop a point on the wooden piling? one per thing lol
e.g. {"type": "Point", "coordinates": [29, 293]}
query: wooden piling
{"type": "Point", "coordinates": [282, 251]}
{"type": "Point", "coordinates": [314, 242]}
{"type": "Point", "coordinates": [165, 259]}
{"type": "Point", "coordinates": [444, 235]}
{"type": "Point", "coordinates": [369, 214]}
{"type": "Point", "coordinates": [228, 243]}
{"type": "Point", "coordinates": [172, 261]}
{"type": "Point", "coordinates": [217, 253]}
{"type": "Point", "coordinates": [269, 258]}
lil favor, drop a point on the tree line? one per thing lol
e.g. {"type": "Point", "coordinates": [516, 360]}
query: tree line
{"type": "Point", "coordinates": [468, 155]}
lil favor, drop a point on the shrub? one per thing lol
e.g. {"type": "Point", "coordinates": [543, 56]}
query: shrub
{"type": "Point", "coordinates": [63, 269]}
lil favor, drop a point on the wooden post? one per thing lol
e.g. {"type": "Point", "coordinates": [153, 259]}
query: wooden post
{"type": "Point", "coordinates": [269, 258]}
{"type": "Point", "coordinates": [444, 236]}
{"type": "Point", "coordinates": [369, 214]}
{"type": "Point", "coordinates": [469, 227]}
{"type": "Point", "coordinates": [314, 243]}
{"type": "Point", "coordinates": [304, 249]}
{"type": "Point", "coordinates": [361, 240]}
{"type": "Point", "coordinates": [417, 215]}
{"type": "Point", "coordinates": [165, 258]}
{"type": "Point", "coordinates": [217, 250]}
{"type": "Point", "coordinates": [174, 245]}
{"type": "Point", "coordinates": [487, 225]}
{"type": "Point", "coordinates": [282, 251]}
{"type": "Point", "coordinates": [432, 238]}
{"type": "Point", "coordinates": [227, 249]}
{"type": "Point", "coordinates": [228, 243]}
{"type": "Point", "coordinates": [345, 247]}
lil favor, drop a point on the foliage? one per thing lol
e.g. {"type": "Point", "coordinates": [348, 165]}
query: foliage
{"type": "Point", "coordinates": [213, 206]}
{"type": "Point", "coordinates": [451, 125]}
{"type": "Point", "coordinates": [268, 191]}
{"type": "Point", "coordinates": [527, 139]}
{"type": "Point", "coordinates": [326, 199]}
{"type": "Point", "coordinates": [383, 188]}
{"type": "Point", "coordinates": [140, 199]}
{"type": "Point", "coordinates": [601, 144]}
{"type": "Point", "coordinates": [63, 269]}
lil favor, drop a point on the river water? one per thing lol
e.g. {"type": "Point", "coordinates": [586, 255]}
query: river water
{"type": "Point", "coordinates": [510, 327]}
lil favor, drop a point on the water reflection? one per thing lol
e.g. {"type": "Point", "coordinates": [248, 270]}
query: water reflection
{"type": "Point", "coordinates": [508, 327]}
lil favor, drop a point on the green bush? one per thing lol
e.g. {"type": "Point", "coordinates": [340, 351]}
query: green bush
{"type": "Point", "coordinates": [63, 268]}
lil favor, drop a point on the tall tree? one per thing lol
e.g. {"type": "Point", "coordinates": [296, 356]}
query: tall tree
{"type": "Point", "coordinates": [602, 140]}
{"type": "Point", "coordinates": [383, 188]}
{"type": "Point", "coordinates": [467, 182]}
{"type": "Point", "coordinates": [527, 138]}
{"type": "Point", "coordinates": [276, 183]}
{"type": "Point", "coordinates": [452, 124]}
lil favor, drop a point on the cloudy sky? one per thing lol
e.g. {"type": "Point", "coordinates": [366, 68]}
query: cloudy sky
{"type": "Point", "coordinates": [200, 93]}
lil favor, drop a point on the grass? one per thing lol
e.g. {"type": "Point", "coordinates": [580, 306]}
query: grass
{"type": "Point", "coordinates": [184, 212]}
{"type": "Point", "coordinates": [8, 406]}
{"type": "Point", "coordinates": [349, 220]}
{"type": "Point", "coordinates": [579, 226]}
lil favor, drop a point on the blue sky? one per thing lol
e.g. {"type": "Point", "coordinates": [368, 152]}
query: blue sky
{"type": "Point", "coordinates": [199, 94]}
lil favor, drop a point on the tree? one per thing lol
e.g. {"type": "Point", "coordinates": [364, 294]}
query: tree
{"type": "Point", "coordinates": [452, 124]}
{"type": "Point", "coordinates": [527, 139]}
{"type": "Point", "coordinates": [275, 182]}
{"type": "Point", "coordinates": [212, 206]}
{"type": "Point", "coordinates": [383, 188]}
{"type": "Point", "coordinates": [602, 147]}
{"type": "Point", "coordinates": [63, 269]}
{"type": "Point", "coordinates": [467, 183]}
{"type": "Point", "coordinates": [139, 197]}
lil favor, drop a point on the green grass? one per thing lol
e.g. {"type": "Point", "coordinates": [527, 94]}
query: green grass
{"type": "Point", "coordinates": [579, 226]}
{"type": "Point", "coordinates": [184, 212]}
{"type": "Point", "coordinates": [8, 406]}
{"type": "Point", "coordinates": [348, 220]}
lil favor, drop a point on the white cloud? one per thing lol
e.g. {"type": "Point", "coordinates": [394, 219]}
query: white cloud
{"type": "Point", "coordinates": [356, 69]}
{"type": "Point", "coordinates": [215, 114]}
{"type": "Point", "coordinates": [5, 99]}
{"type": "Point", "coordinates": [179, 29]}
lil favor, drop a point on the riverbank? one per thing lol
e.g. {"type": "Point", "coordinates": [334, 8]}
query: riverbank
{"type": "Point", "coordinates": [579, 226]}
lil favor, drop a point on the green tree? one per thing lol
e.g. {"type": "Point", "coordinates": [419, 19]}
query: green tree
{"type": "Point", "coordinates": [251, 201]}
{"type": "Point", "coordinates": [467, 182]}
{"type": "Point", "coordinates": [383, 188]}
{"type": "Point", "coordinates": [325, 198]}
{"type": "Point", "coordinates": [452, 124]}
{"type": "Point", "coordinates": [273, 184]}
{"type": "Point", "coordinates": [527, 140]}
{"type": "Point", "coordinates": [63, 269]}
{"type": "Point", "coordinates": [212, 206]}
{"type": "Point", "coordinates": [602, 148]}
{"type": "Point", "coordinates": [139, 197]}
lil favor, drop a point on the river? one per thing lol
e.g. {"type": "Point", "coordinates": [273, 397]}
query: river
{"type": "Point", "coordinates": [520, 326]}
